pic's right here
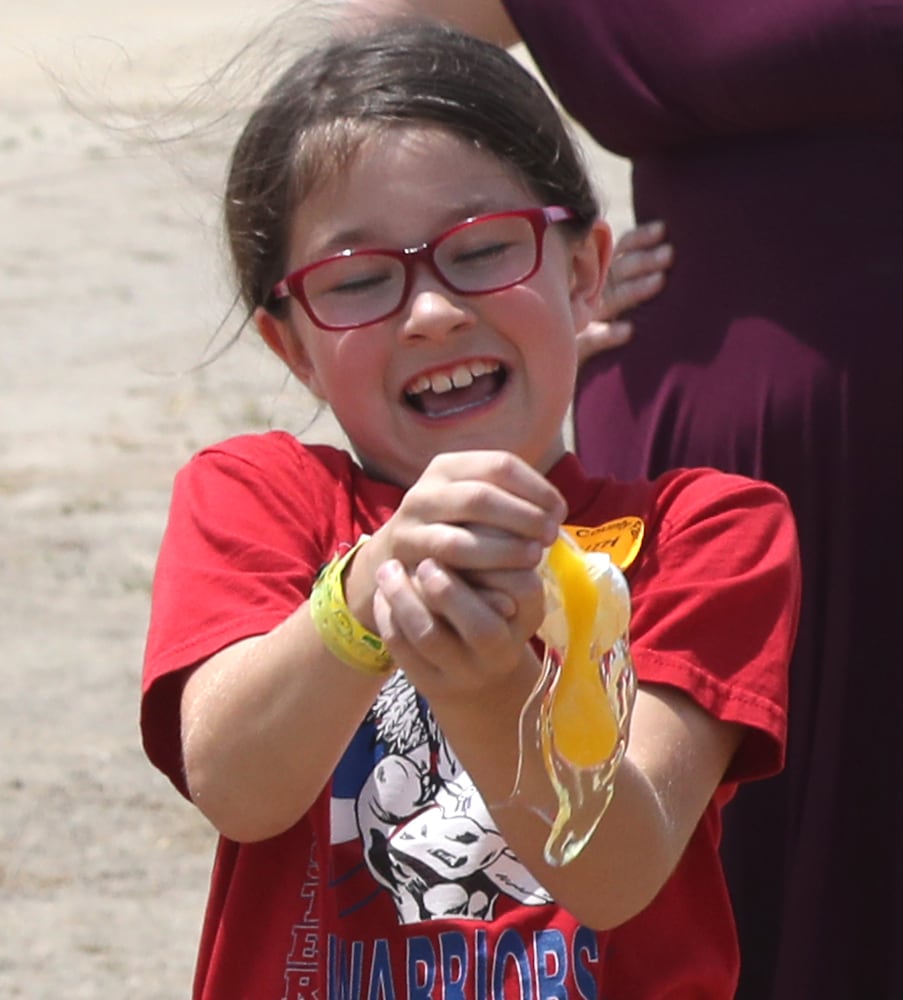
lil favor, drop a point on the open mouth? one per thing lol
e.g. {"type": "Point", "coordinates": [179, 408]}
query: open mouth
{"type": "Point", "coordinates": [444, 393]}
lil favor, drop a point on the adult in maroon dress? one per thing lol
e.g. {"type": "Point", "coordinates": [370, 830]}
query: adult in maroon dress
{"type": "Point", "coordinates": [769, 137]}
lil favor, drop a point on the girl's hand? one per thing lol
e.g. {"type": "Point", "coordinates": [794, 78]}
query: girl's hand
{"type": "Point", "coordinates": [452, 641]}
{"type": "Point", "coordinates": [455, 567]}
{"type": "Point", "coordinates": [637, 273]}
{"type": "Point", "coordinates": [473, 511]}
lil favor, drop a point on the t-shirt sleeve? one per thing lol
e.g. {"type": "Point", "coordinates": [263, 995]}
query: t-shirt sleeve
{"type": "Point", "coordinates": [244, 540]}
{"type": "Point", "coordinates": [716, 606]}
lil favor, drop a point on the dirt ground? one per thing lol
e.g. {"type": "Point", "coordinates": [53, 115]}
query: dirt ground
{"type": "Point", "coordinates": [112, 285]}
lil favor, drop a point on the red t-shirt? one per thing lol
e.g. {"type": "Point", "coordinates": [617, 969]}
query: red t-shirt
{"type": "Point", "coordinates": [397, 883]}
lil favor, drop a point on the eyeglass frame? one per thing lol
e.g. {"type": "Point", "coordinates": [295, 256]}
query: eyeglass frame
{"type": "Point", "coordinates": [540, 218]}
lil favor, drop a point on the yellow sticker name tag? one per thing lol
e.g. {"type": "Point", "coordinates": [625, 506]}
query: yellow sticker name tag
{"type": "Point", "coordinates": [620, 538]}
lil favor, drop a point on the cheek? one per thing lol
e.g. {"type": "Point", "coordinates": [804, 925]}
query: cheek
{"type": "Point", "coordinates": [549, 339]}
{"type": "Point", "coordinates": [541, 315]}
{"type": "Point", "coordinates": [350, 369]}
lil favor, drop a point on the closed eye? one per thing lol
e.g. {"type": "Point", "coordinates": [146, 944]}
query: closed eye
{"type": "Point", "coordinates": [481, 254]}
{"type": "Point", "coordinates": [353, 276]}
{"type": "Point", "coordinates": [357, 285]}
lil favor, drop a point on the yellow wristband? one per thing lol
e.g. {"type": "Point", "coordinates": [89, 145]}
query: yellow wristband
{"type": "Point", "coordinates": [342, 634]}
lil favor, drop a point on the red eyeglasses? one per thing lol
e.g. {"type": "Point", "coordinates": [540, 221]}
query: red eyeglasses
{"type": "Point", "coordinates": [485, 254]}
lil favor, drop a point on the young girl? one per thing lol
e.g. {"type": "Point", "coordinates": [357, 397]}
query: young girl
{"type": "Point", "coordinates": [415, 236]}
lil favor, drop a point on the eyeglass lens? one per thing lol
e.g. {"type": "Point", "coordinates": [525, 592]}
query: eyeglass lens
{"type": "Point", "coordinates": [483, 256]}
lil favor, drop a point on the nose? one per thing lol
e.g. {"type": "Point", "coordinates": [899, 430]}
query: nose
{"type": "Point", "coordinates": [432, 310]}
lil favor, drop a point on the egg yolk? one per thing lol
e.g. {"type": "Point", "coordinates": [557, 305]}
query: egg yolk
{"type": "Point", "coordinates": [584, 728]}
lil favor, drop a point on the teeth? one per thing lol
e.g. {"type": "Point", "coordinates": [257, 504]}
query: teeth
{"type": "Point", "coordinates": [459, 378]}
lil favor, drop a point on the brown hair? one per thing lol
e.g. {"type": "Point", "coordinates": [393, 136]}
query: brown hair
{"type": "Point", "coordinates": [328, 101]}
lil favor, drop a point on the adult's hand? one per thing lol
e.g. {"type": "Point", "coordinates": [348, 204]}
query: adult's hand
{"type": "Point", "coordinates": [638, 269]}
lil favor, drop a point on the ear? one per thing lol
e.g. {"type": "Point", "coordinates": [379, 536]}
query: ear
{"type": "Point", "coordinates": [590, 257]}
{"type": "Point", "coordinates": [287, 345]}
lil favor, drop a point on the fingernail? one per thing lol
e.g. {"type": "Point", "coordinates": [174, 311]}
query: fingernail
{"type": "Point", "coordinates": [387, 570]}
{"type": "Point", "coordinates": [427, 568]}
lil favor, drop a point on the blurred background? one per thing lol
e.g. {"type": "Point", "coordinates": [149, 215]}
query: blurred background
{"type": "Point", "coordinates": [115, 121]}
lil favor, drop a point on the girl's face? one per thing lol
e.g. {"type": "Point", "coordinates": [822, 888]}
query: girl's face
{"type": "Point", "coordinates": [509, 356]}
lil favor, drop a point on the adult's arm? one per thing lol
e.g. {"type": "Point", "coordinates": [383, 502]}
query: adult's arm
{"type": "Point", "coordinates": [486, 19]}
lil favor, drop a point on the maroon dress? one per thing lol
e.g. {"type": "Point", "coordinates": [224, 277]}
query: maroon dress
{"type": "Point", "coordinates": [769, 137]}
